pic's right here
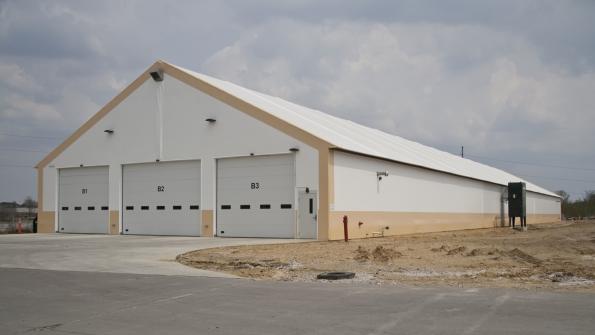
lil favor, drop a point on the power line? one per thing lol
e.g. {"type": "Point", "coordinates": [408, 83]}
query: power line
{"type": "Point", "coordinates": [31, 136]}
{"type": "Point", "coordinates": [16, 165]}
{"type": "Point", "coordinates": [565, 179]}
{"type": "Point", "coordinates": [534, 164]}
{"type": "Point", "coordinates": [20, 150]}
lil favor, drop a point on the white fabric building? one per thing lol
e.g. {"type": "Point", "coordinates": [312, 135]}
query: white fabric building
{"type": "Point", "coordinates": [182, 153]}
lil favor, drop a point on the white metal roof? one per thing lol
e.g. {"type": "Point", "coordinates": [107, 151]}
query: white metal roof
{"type": "Point", "coordinates": [350, 136]}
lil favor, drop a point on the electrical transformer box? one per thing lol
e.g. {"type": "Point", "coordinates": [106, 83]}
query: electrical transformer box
{"type": "Point", "coordinates": [517, 200]}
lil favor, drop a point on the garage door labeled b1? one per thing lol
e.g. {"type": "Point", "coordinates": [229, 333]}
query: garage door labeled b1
{"type": "Point", "coordinates": [83, 200]}
{"type": "Point", "coordinates": [161, 198]}
{"type": "Point", "coordinates": [255, 196]}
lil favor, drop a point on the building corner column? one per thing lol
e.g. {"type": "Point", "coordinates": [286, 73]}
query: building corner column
{"type": "Point", "coordinates": [326, 191]}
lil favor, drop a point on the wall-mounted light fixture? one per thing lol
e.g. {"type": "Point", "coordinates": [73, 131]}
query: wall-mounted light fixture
{"type": "Point", "coordinates": [294, 149]}
{"type": "Point", "coordinates": [381, 174]}
{"type": "Point", "coordinates": [157, 75]}
{"type": "Point", "coordinates": [211, 120]}
{"type": "Point", "coordinates": [109, 131]}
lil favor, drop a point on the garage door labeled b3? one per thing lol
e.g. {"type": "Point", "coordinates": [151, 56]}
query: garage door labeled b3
{"type": "Point", "coordinates": [255, 196]}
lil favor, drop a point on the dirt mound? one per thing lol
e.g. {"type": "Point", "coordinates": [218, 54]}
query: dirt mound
{"type": "Point", "coordinates": [519, 254]}
{"type": "Point", "coordinates": [457, 251]}
{"type": "Point", "coordinates": [382, 254]}
{"type": "Point", "coordinates": [442, 248]}
{"type": "Point", "coordinates": [474, 252]}
{"type": "Point", "coordinates": [379, 254]}
{"type": "Point", "coordinates": [361, 254]}
{"type": "Point", "coordinates": [493, 251]}
{"type": "Point", "coordinates": [556, 256]}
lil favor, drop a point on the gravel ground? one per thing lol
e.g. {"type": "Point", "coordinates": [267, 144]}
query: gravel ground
{"type": "Point", "coordinates": [559, 256]}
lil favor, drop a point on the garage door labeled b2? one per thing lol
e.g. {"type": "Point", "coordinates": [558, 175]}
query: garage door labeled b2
{"type": "Point", "coordinates": [255, 196]}
{"type": "Point", "coordinates": [161, 198]}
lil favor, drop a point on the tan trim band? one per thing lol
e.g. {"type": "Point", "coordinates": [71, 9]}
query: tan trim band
{"type": "Point", "coordinates": [325, 171]}
{"type": "Point", "coordinates": [375, 224]}
{"type": "Point", "coordinates": [39, 189]}
{"type": "Point", "coordinates": [207, 223]}
{"type": "Point", "coordinates": [114, 222]}
{"type": "Point", "coordinates": [46, 222]}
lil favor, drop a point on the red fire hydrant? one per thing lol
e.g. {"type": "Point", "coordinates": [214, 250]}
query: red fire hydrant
{"type": "Point", "coordinates": [345, 232]}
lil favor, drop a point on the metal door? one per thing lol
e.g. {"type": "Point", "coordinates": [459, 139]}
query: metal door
{"type": "Point", "coordinates": [161, 198]}
{"type": "Point", "coordinates": [308, 214]}
{"type": "Point", "coordinates": [83, 200]}
{"type": "Point", "coordinates": [255, 196]}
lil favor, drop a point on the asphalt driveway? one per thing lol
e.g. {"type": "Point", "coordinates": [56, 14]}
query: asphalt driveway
{"type": "Point", "coordinates": [66, 302]}
{"type": "Point", "coordinates": [111, 253]}
{"type": "Point", "coordinates": [111, 285]}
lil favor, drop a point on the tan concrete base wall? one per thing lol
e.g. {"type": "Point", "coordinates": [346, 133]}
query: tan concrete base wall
{"type": "Point", "coordinates": [399, 223]}
{"type": "Point", "coordinates": [114, 222]}
{"type": "Point", "coordinates": [46, 222]}
{"type": "Point", "coordinates": [207, 223]}
{"type": "Point", "coordinates": [542, 218]}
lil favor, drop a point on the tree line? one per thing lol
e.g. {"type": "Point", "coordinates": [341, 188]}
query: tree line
{"type": "Point", "coordinates": [27, 203]}
{"type": "Point", "coordinates": [584, 207]}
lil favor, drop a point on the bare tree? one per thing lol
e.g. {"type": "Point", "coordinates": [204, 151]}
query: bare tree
{"type": "Point", "coordinates": [565, 196]}
{"type": "Point", "coordinates": [29, 203]}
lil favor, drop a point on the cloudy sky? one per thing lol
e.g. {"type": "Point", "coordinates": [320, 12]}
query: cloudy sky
{"type": "Point", "coordinates": [512, 81]}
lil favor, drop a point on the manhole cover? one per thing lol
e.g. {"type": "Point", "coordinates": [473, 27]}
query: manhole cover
{"type": "Point", "coordinates": [335, 275]}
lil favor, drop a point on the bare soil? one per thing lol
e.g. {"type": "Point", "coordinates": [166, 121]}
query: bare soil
{"type": "Point", "coordinates": [557, 256]}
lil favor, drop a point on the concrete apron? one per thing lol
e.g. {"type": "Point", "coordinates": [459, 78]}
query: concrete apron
{"type": "Point", "coordinates": [113, 253]}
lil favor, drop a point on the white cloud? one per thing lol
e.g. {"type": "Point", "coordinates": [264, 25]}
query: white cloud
{"type": "Point", "coordinates": [19, 107]}
{"type": "Point", "coordinates": [495, 76]}
{"type": "Point", "coordinates": [431, 82]}
{"type": "Point", "coordinates": [13, 76]}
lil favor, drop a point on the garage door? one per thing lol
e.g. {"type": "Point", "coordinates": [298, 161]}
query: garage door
{"type": "Point", "coordinates": [161, 198]}
{"type": "Point", "coordinates": [255, 196]}
{"type": "Point", "coordinates": [83, 200]}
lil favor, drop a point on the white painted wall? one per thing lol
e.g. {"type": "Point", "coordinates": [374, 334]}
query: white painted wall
{"type": "Point", "coordinates": [185, 135]}
{"type": "Point", "coordinates": [413, 189]}
{"type": "Point", "coordinates": [542, 204]}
